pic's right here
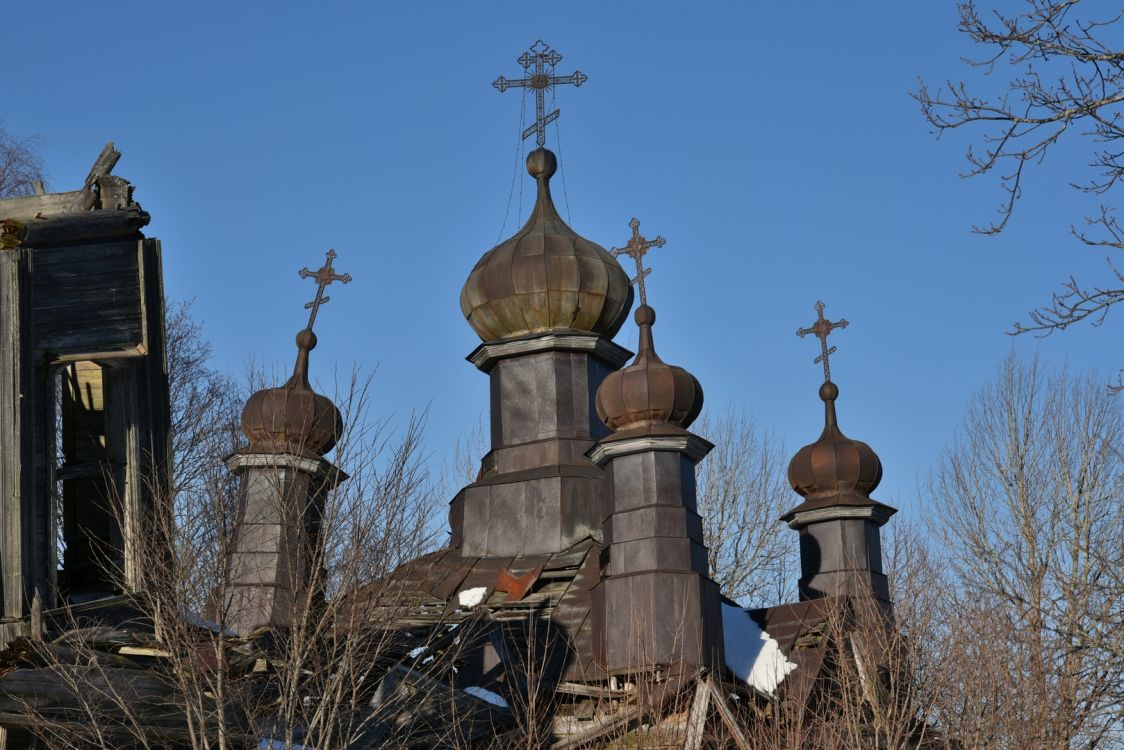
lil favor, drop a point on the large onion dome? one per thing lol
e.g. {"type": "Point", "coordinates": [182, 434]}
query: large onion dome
{"type": "Point", "coordinates": [546, 277]}
{"type": "Point", "coordinates": [649, 395]}
{"type": "Point", "coordinates": [835, 470]}
{"type": "Point", "coordinates": [293, 418]}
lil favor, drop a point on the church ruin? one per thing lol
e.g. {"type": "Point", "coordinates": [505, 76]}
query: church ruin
{"type": "Point", "coordinates": [84, 421]}
{"type": "Point", "coordinates": [576, 563]}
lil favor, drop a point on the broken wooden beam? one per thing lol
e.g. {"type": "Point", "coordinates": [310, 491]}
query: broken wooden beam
{"type": "Point", "coordinates": [84, 228]}
{"type": "Point", "coordinates": [103, 165]}
{"type": "Point", "coordinates": [696, 719]}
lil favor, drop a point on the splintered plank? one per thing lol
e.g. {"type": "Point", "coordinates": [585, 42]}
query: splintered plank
{"type": "Point", "coordinates": [696, 719]}
{"type": "Point", "coordinates": [728, 719]}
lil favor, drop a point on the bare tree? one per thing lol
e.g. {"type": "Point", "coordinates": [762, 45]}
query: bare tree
{"type": "Point", "coordinates": [186, 681]}
{"type": "Point", "coordinates": [471, 446]}
{"type": "Point", "coordinates": [742, 493]}
{"type": "Point", "coordinates": [1064, 79]}
{"type": "Point", "coordinates": [206, 404]}
{"type": "Point", "coordinates": [21, 165]}
{"type": "Point", "coordinates": [1030, 502]}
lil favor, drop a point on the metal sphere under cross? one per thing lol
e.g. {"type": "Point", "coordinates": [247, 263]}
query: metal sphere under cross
{"type": "Point", "coordinates": [822, 328]}
{"type": "Point", "coordinates": [636, 248]}
{"type": "Point", "coordinates": [324, 276]}
{"type": "Point", "coordinates": [538, 57]}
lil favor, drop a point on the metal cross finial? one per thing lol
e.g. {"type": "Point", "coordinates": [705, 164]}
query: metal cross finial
{"type": "Point", "coordinates": [324, 276]}
{"type": "Point", "coordinates": [636, 248]}
{"type": "Point", "coordinates": [535, 61]}
{"type": "Point", "coordinates": [822, 328]}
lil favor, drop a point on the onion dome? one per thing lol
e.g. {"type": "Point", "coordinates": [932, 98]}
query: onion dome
{"type": "Point", "coordinates": [546, 277]}
{"type": "Point", "coordinates": [835, 470]}
{"type": "Point", "coordinates": [649, 396]}
{"type": "Point", "coordinates": [293, 418]}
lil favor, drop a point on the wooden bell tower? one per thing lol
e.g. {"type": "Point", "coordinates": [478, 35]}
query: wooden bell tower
{"type": "Point", "coordinates": [84, 413]}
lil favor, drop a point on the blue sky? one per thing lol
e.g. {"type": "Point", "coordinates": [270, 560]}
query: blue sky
{"type": "Point", "coordinates": [774, 145]}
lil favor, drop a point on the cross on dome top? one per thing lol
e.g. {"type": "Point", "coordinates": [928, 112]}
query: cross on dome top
{"type": "Point", "coordinates": [821, 329]}
{"type": "Point", "coordinates": [324, 276]}
{"type": "Point", "coordinates": [535, 61]}
{"type": "Point", "coordinates": [636, 248]}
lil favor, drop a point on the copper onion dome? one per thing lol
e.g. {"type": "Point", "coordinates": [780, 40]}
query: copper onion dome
{"type": "Point", "coordinates": [292, 418]}
{"type": "Point", "coordinates": [545, 277]}
{"type": "Point", "coordinates": [835, 470]}
{"type": "Point", "coordinates": [649, 395]}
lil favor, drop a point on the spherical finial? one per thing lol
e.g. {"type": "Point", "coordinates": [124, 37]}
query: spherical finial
{"type": "Point", "coordinates": [645, 315]}
{"type": "Point", "coordinates": [542, 163]}
{"type": "Point", "coordinates": [829, 391]}
{"type": "Point", "coordinates": [306, 340]}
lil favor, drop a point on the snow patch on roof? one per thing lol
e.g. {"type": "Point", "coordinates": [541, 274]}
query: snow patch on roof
{"type": "Point", "coordinates": [472, 597]}
{"type": "Point", "coordinates": [751, 653]}
{"type": "Point", "coordinates": [487, 695]}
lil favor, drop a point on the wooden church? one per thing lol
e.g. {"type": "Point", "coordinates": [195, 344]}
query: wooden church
{"type": "Point", "coordinates": [575, 577]}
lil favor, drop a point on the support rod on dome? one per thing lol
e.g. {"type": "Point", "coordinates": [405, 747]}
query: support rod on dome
{"type": "Point", "coordinates": [535, 61]}
{"type": "Point", "coordinates": [821, 329]}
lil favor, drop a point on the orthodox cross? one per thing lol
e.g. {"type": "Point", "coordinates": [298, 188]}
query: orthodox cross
{"type": "Point", "coordinates": [821, 329]}
{"type": "Point", "coordinates": [324, 276]}
{"type": "Point", "coordinates": [636, 248]}
{"type": "Point", "coordinates": [540, 55]}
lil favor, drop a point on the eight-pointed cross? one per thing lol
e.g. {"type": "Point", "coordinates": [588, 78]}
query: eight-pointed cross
{"type": "Point", "coordinates": [540, 55]}
{"type": "Point", "coordinates": [324, 276]}
{"type": "Point", "coordinates": [636, 248]}
{"type": "Point", "coordinates": [822, 328]}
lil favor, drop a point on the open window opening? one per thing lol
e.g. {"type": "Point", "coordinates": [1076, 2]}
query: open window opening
{"type": "Point", "coordinates": [88, 470]}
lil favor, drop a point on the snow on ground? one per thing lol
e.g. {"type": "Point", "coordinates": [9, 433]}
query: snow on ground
{"type": "Point", "coordinates": [751, 653]}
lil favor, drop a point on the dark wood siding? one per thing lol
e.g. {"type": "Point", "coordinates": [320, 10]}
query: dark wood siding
{"type": "Point", "coordinates": [87, 299]}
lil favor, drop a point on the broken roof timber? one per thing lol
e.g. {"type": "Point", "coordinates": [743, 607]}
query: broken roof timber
{"type": "Point", "coordinates": [50, 205]}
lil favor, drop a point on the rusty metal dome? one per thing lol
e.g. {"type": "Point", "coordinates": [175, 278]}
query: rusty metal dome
{"type": "Point", "coordinates": [649, 392]}
{"type": "Point", "coordinates": [835, 469]}
{"type": "Point", "coordinates": [546, 277]}
{"type": "Point", "coordinates": [293, 418]}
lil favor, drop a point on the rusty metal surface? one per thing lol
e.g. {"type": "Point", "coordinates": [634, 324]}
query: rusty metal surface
{"type": "Point", "coordinates": [324, 276]}
{"type": "Point", "coordinates": [547, 277]}
{"type": "Point", "coordinates": [649, 391]}
{"type": "Point", "coordinates": [539, 62]}
{"type": "Point", "coordinates": [821, 329]}
{"type": "Point", "coordinates": [636, 248]}
{"type": "Point", "coordinates": [834, 470]}
{"type": "Point", "coordinates": [425, 592]}
{"type": "Point", "coordinates": [517, 586]}
{"type": "Point", "coordinates": [293, 418]}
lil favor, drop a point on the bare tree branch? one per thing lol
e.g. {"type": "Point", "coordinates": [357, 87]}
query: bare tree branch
{"type": "Point", "coordinates": [21, 164]}
{"type": "Point", "coordinates": [1064, 77]}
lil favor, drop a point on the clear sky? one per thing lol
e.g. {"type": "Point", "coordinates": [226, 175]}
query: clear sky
{"type": "Point", "coordinates": [774, 145]}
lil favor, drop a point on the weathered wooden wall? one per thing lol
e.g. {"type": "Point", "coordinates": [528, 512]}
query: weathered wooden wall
{"type": "Point", "coordinates": [84, 285]}
{"type": "Point", "coordinates": [15, 419]}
